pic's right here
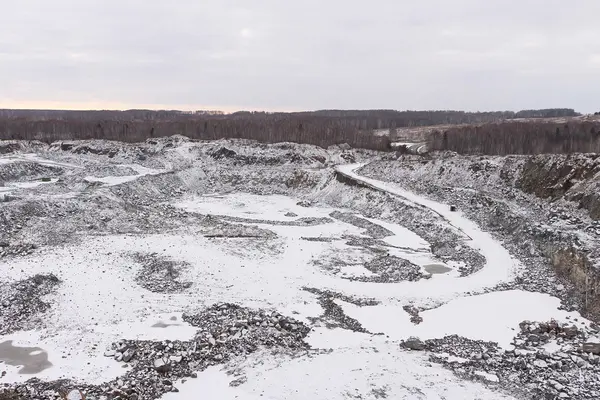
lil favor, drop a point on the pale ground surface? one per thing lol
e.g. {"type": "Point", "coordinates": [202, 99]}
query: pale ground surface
{"type": "Point", "coordinates": [99, 302]}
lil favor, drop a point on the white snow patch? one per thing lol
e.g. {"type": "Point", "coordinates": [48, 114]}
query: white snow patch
{"type": "Point", "coordinates": [118, 180]}
{"type": "Point", "coordinates": [33, 184]}
{"type": "Point", "coordinates": [32, 157]}
{"type": "Point", "coordinates": [245, 205]}
{"type": "Point", "coordinates": [78, 353]}
{"type": "Point", "coordinates": [493, 317]}
{"type": "Point", "coordinates": [342, 374]}
{"type": "Point", "coordinates": [487, 376]}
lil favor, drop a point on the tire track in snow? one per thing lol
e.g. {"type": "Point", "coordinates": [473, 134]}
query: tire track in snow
{"type": "Point", "coordinates": [500, 266]}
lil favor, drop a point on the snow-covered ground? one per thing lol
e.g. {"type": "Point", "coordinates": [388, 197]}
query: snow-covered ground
{"type": "Point", "coordinates": [32, 157]}
{"type": "Point", "coordinates": [100, 300]}
{"type": "Point", "coordinates": [118, 180]}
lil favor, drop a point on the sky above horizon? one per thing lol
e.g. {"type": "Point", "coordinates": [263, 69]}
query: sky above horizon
{"type": "Point", "coordinates": [306, 55]}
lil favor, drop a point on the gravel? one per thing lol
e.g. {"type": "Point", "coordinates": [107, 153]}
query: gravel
{"type": "Point", "coordinates": [21, 303]}
{"type": "Point", "coordinates": [159, 274]}
{"type": "Point", "coordinates": [225, 331]}
{"type": "Point", "coordinates": [529, 370]}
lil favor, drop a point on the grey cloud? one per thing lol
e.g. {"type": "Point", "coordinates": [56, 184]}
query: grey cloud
{"type": "Point", "coordinates": [270, 54]}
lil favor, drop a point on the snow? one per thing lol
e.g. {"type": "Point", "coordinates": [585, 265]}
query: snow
{"type": "Point", "coordinates": [365, 372]}
{"type": "Point", "coordinates": [29, 185]}
{"type": "Point", "coordinates": [492, 317]}
{"type": "Point", "coordinates": [118, 180]}
{"type": "Point", "coordinates": [32, 157]}
{"type": "Point", "coordinates": [99, 302]}
{"type": "Point", "coordinates": [500, 266]}
{"type": "Point", "coordinates": [487, 376]}
{"type": "Point", "coordinates": [72, 352]}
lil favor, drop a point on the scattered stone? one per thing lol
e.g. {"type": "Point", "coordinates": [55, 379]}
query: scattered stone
{"type": "Point", "coordinates": [159, 274]}
{"type": "Point", "coordinates": [22, 303]}
{"type": "Point", "coordinates": [413, 343]}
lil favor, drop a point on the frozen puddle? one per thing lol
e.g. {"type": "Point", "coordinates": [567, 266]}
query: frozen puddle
{"type": "Point", "coordinates": [77, 351]}
{"type": "Point", "coordinates": [435, 269]}
{"type": "Point", "coordinates": [30, 360]}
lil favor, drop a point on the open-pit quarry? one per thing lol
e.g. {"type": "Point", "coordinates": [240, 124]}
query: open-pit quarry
{"type": "Point", "coordinates": [178, 269]}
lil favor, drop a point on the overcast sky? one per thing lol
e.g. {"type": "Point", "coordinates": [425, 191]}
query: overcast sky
{"type": "Point", "coordinates": [300, 55]}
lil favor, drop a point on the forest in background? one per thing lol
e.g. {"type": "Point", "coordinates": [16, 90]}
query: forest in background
{"type": "Point", "coordinates": [475, 132]}
{"type": "Point", "coordinates": [521, 137]}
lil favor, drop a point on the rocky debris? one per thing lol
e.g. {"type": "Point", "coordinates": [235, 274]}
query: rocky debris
{"type": "Point", "coordinates": [106, 170]}
{"type": "Point", "coordinates": [16, 249]}
{"type": "Point", "coordinates": [159, 274]}
{"type": "Point", "coordinates": [348, 157]}
{"type": "Point", "coordinates": [318, 239]}
{"type": "Point", "coordinates": [26, 171]}
{"type": "Point", "coordinates": [223, 152]}
{"type": "Point", "coordinates": [550, 360]}
{"type": "Point", "coordinates": [375, 246]}
{"type": "Point", "coordinates": [9, 147]}
{"type": "Point", "coordinates": [413, 343]}
{"type": "Point", "coordinates": [10, 395]}
{"type": "Point", "coordinates": [532, 229]}
{"type": "Point", "coordinates": [304, 221]}
{"type": "Point", "coordinates": [94, 148]}
{"type": "Point", "coordinates": [238, 158]}
{"type": "Point", "coordinates": [373, 230]}
{"type": "Point", "coordinates": [415, 318]}
{"type": "Point", "coordinates": [225, 331]}
{"type": "Point", "coordinates": [357, 301]}
{"type": "Point", "coordinates": [21, 302]}
{"type": "Point", "coordinates": [302, 179]}
{"type": "Point", "coordinates": [291, 214]}
{"type": "Point", "coordinates": [447, 249]}
{"type": "Point", "coordinates": [388, 269]}
{"type": "Point", "coordinates": [333, 314]}
{"type": "Point", "coordinates": [226, 230]}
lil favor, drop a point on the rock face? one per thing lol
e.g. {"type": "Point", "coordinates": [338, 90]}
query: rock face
{"type": "Point", "coordinates": [558, 176]}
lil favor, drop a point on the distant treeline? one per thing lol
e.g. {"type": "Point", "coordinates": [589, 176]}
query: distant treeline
{"type": "Point", "coordinates": [366, 119]}
{"type": "Point", "coordinates": [520, 137]}
{"type": "Point", "coordinates": [321, 128]}
{"type": "Point", "coordinates": [271, 128]}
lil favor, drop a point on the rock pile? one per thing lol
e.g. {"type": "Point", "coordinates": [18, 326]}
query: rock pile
{"type": "Point", "coordinates": [225, 331]}
{"type": "Point", "coordinates": [21, 302]}
{"type": "Point", "coordinates": [159, 274]}
{"type": "Point", "coordinates": [549, 360]}
{"type": "Point", "coordinates": [392, 269]}
{"type": "Point", "coordinates": [16, 249]}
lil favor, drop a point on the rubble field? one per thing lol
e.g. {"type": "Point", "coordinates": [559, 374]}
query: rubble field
{"type": "Point", "coordinates": [231, 269]}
